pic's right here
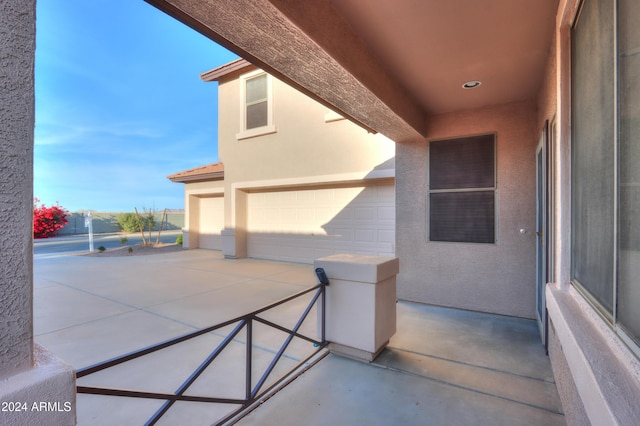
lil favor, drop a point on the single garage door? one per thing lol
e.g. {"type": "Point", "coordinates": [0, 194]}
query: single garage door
{"type": "Point", "coordinates": [302, 225]}
{"type": "Point", "coordinates": [211, 222]}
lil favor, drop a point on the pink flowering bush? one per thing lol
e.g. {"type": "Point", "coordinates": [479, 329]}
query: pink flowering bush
{"type": "Point", "coordinates": [47, 221]}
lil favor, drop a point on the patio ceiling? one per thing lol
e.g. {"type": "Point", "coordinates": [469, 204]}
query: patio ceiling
{"type": "Point", "coordinates": [387, 65]}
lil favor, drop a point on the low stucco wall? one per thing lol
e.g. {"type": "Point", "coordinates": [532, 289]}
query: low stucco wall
{"type": "Point", "coordinates": [43, 395]}
{"type": "Point", "coordinates": [497, 278]}
{"type": "Point", "coordinates": [572, 405]}
{"type": "Point", "coordinates": [597, 375]}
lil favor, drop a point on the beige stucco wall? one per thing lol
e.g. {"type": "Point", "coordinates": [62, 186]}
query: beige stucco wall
{"type": "Point", "coordinates": [312, 147]}
{"type": "Point", "coordinates": [304, 141]}
{"type": "Point", "coordinates": [499, 277]}
{"type": "Point", "coordinates": [193, 194]}
{"type": "Point", "coordinates": [199, 189]}
{"type": "Point", "coordinates": [305, 146]}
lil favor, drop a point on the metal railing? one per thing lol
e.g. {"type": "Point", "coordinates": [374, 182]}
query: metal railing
{"type": "Point", "coordinates": [252, 392]}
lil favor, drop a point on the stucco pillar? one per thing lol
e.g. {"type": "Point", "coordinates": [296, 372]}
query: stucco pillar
{"type": "Point", "coordinates": [25, 377]}
{"type": "Point", "coordinates": [17, 42]}
{"type": "Point", "coordinates": [234, 239]}
{"type": "Point", "coordinates": [191, 231]}
{"type": "Point", "coordinates": [360, 312]}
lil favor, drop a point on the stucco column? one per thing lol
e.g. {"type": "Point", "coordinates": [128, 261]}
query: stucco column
{"type": "Point", "coordinates": [191, 230]}
{"type": "Point", "coordinates": [234, 239]}
{"type": "Point", "coordinates": [17, 49]}
{"type": "Point", "coordinates": [360, 312]}
{"type": "Point", "coordinates": [26, 377]}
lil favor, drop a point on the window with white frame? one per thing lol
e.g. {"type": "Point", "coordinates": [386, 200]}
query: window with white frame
{"type": "Point", "coordinates": [462, 188]}
{"type": "Point", "coordinates": [605, 181]}
{"type": "Point", "coordinates": [256, 111]}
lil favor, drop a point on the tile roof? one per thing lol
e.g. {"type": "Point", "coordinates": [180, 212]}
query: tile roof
{"type": "Point", "coordinates": [216, 73]}
{"type": "Point", "coordinates": [213, 171]}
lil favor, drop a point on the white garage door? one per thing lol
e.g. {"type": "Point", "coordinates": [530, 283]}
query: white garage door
{"type": "Point", "coordinates": [303, 225]}
{"type": "Point", "coordinates": [211, 222]}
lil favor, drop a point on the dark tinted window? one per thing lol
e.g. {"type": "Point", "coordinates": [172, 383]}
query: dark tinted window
{"type": "Point", "coordinates": [462, 190]}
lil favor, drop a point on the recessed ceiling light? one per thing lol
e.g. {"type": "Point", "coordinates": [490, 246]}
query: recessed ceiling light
{"type": "Point", "coordinates": [471, 84]}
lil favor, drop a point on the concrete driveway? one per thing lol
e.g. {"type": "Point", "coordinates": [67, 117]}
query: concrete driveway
{"type": "Point", "coordinates": [90, 309]}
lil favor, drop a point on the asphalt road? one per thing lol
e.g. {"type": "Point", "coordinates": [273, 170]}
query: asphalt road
{"type": "Point", "coordinates": [80, 243]}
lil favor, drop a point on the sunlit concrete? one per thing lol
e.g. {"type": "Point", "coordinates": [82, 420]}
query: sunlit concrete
{"type": "Point", "coordinates": [443, 366]}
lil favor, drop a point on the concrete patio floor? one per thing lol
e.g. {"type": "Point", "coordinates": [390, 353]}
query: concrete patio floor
{"type": "Point", "coordinates": [443, 366]}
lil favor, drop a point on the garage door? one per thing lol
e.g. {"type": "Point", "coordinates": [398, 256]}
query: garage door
{"type": "Point", "coordinates": [211, 222]}
{"type": "Point", "coordinates": [303, 225]}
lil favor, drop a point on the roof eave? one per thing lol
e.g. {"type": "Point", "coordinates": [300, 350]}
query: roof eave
{"type": "Point", "coordinates": [217, 73]}
{"type": "Point", "coordinates": [204, 177]}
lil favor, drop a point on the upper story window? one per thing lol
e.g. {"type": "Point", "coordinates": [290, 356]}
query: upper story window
{"type": "Point", "coordinates": [256, 102]}
{"type": "Point", "coordinates": [256, 112]}
{"type": "Point", "coordinates": [462, 190]}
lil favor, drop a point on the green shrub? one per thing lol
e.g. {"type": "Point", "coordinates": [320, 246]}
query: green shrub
{"type": "Point", "coordinates": [179, 239]}
{"type": "Point", "coordinates": [101, 249]}
{"type": "Point", "coordinates": [128, 222]}
{"type": "Point", "coordinates": [123, 240]}
{"type": "Point", "coordinates": [130, 249]}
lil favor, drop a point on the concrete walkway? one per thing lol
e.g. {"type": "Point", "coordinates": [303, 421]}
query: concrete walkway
{"type": "Point", "coordinates": [443, 367]}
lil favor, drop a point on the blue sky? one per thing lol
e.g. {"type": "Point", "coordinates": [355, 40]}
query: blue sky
{"type": "Point", "coordinates": [120, 104]}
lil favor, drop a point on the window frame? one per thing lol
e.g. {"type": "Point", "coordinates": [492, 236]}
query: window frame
{"type": "Point", "coordinates": [610, 316]}
{"type": "Point", "coordinates": [267, 129]}
{"type": "Point", "coordinates": [493, 188]}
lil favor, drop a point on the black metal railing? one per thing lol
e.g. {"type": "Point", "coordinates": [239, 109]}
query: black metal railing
{"type": "Point", "coordinates": [252, 392]}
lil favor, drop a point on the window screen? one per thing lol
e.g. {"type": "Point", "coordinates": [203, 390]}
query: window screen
{"type": "Point", "coordinates": [629, 161]}
{"type": "Point", "coordinates": [462, 163]}
{"type": "Point", "coordinates": [462, 190]}
{"type": "Point", "coordinates": [593, 151]}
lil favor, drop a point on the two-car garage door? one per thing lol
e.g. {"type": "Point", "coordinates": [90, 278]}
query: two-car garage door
{"type": "Point", "coordinates": [300, 225]}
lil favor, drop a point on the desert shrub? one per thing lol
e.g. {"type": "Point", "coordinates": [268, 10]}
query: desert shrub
{"type": "Point", "coordinates": [47, 221]}
{"type": "Point", "coordinates": [179, 239]}
{"type": "Point", "coordinates": [101, 248]}
{"type": "Point", "coordinates": [123, 240]}
{"type": "Point", "coordinates": [128, 222]}
{"type": "Point", "coordinates": [148, 220]}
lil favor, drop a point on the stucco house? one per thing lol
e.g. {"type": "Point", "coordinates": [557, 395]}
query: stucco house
{"type": "Point", "coordinates": [296, 182]}
{"type": "Point", "coordinates": [516, 126]}
{"type": "Point", "coordinates": [524, 113]}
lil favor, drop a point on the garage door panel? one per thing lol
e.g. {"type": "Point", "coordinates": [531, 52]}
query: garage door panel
{"type": "Point", "coordinates": [366, 235]}
{"type": "Point", "coordinates": [211, 222]}
{"type": "Point", "coordinates": [386, 236]}
{"type": "Point", "coordinates": [366, 213]}
{"type": "Point", "coordinates": [323, 196]}
{"type": "Point", "coordinates": [339, 234]}
{"type": "Point", "coordinates": [345, 215]}
{"type": "Point", "coordinates": [303, 225]}
{"type": "Point", "coordinates": [387, 213]}
{"type": "Point", "coordinates": [301, 251]}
